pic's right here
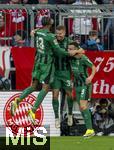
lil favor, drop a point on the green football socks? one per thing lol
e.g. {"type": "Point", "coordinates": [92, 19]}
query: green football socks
{"type": "Point", "coordinates": [55, 104]}
{"type": "Point", "coordinates": [87, 118]}
{"type": "Point", "coordinates": [39, 100]}
{"type": "Point", "coordinates": [25, 93]}
{"type": "Point", "coordinates": [70, 105]}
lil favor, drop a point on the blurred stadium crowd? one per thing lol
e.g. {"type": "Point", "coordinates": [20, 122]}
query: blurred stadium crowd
{"type": "Point", "coordinates": [53, 1]}
{"type": "Point", "coordinates": [15, 23]}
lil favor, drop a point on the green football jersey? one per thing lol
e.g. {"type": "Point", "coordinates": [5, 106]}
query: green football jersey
{"type": "Point", "coordinates": [62, 63]}
{"type": "Point", "coordinates": [79, 67]}
{"type": "Point", "coordinates": [46, 46]}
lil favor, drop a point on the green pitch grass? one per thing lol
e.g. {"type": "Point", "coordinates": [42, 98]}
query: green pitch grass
{"type": "Point", "coordinates": [79, 143]}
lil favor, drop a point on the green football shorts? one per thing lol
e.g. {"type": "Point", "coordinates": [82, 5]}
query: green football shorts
{"type": "Point", "coordinates": [62, 80]}
{"type": "Point", "coordinates": [44, 73]}
{"type": "Point", "coordinates": [83, 92]}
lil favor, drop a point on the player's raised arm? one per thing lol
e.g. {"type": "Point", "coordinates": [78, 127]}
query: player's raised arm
{"type": "Point", "coordinates": [60, 51]}
{"type": "Point", "coordinates": [33, 32]}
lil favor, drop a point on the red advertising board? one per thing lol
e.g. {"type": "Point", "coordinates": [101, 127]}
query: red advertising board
{"type": "Point", "coordinates": [103, 82]}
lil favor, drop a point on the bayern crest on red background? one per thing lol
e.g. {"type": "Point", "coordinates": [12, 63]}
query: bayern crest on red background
{"type": "Point", "coordinates": [21, 119]}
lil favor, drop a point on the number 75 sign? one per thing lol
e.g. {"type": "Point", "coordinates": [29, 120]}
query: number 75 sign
{"type": "Point", "coordinates": [109, 64]}
{"type": "Point", "coordinates": [104, 61]}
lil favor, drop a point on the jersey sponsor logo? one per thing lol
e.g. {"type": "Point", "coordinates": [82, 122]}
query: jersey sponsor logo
{"type": "Point", "coordinates": [21, 119]}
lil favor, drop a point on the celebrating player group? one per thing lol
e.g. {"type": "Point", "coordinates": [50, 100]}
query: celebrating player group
{"type": "Point", "coordinates": [57, 56]}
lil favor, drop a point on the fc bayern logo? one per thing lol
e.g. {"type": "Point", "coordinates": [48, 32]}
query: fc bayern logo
{"type": "Point", "coordinates": [21, 118]}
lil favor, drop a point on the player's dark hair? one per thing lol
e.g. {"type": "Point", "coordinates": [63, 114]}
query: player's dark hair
{"type": "Point", "coordinates": [47, 21]}
{"type": "Point", "coordinates": [75, 44]}
{"type": "Point", "coordinates": [61, 27]}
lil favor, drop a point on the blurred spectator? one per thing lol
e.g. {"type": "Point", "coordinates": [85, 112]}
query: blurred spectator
{"type": "Point", "coordinates": [99, 1]}
{"type": "Point", "coordinates": [29, 1]}
{"type": "Point", "coordinates": [3, 1]}
{"type": "Point", "coordinates": [52, 2]}
{"type": "Point", "coordinates": [103, 120]}
{"type": "Point", "coordinates": [93, 43]}
{"type": "Point", "coordinates": [67, 1]}
{"type": "Point", "coordinates": [109, 31]}
{"type": "Point", "coordinates": [106, 1]}
{"type": "Point", "coordinates": [4, 83]}
{"type": "Point", "coordinates": [15, 18]}
{"type": "Point", "coordinates": [49, 1]}
{"type": "Point", "coordinates": [25, 1]}
{"type": "Point", "coordinates": [43, 1]}
{"type": "Point", "coordinates": [14, 1]}
{"type": "Point", "coordinates": [20, 39]}
{"type": "Point", "coordinates": [82, 25]}
{"type": "Point", "coordinates": [41, 13]}
{"type": "Point", "coordinates": [5, 34]}
{"type": "Point", "coordinates": [75, 38]}
{"type": "Point", "coordinates": [103, 1]}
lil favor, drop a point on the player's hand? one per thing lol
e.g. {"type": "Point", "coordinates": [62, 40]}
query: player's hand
{"type": "Point", "coordinates": [80, 51]}
{"type": "Point", "coordinates": [72, 53]}
{"type": "Point", "coordinates": [33, 32]}
{"type": "Point", "coordinates": [89, 79]}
